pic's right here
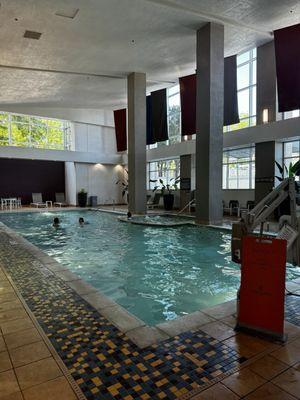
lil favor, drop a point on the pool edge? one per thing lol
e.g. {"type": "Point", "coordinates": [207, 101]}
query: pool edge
{"type": "Point", "coordinates": [136, 329]}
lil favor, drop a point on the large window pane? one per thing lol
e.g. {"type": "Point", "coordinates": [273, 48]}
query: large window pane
{"type": "Point", "coordinates": [225, 176]}
{"type": "Point", "coordinates": [25, 130]}
{"type": "Point", "coordinates": [174, 115]}
{"type": "Point", "coordinates": [254, 72]}
{"type": "Point", "coordinates": [243, 175]}
{"type": "Point", "coordinates": [253, 101]}
{"type": "Point", "coordinates": [291, 149]}
{"type": "Point", "coordinates": [38, 136]}
{"type": "Point", "coordinates": [239, 168]}
{"type": "Point", "coordinates": [243, 76]}
{"type": "Point", "coordinates": [4, 139]}
{"type": "Point", "coordinates": [243, 99]}
{"type": "Point", "coordinates": [20, 134]}
{"type": "Point", "coordinates": [167, 170]}
{"type": "Point", "coordinates": [252, 185]}
{"type": "Point", "coordinates": [244, 57]}
{"type": "Point", "coordinates": [232, 176]}
{"type": "Point", "coordinates": [23, 119]}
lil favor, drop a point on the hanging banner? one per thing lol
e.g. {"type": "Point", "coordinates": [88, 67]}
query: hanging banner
{"type": "Point", "coordinates": [262, 290]}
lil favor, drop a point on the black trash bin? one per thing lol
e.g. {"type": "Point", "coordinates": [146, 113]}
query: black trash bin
{"type": "Point", "coordinates": [93, 201]}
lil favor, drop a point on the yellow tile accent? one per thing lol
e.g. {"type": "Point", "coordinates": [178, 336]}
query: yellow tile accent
{"type": "Point", "coordinates": [97, 381]}
{"type": "Point", "coordinates": [156, 363]}
{"type": "Point", "coordinates": [141, 367]}
{"type": "Point", "coordinates": [161, 382]}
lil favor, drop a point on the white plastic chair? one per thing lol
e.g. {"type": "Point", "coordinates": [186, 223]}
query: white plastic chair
{"type": "Point", "coordinates": [37, 200]}
{"type": "Point", "coordinates": [4, 204]}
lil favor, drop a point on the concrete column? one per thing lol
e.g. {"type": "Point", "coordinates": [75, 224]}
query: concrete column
{"type": "Point", "coordinates": [136, 87]}
{"type": "Point", "coordinates": [70, 183]}
{"type": "Point", "coordinates": [266, 82]}
{"type": "Point", "coordinates": [185, 174]}
{"type": "Point", "coordinates": [209, 123]}
{"type": "Point", "coordinates": [266, 153]}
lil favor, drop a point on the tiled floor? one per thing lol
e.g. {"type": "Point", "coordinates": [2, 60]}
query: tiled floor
{"type": "Point", "coordinates": [210, 362]}
{"type": "Point", "coordinates": [28, 369]}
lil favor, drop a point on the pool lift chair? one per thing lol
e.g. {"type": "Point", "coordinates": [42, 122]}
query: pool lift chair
{"type": "Point", "coordinates": [264, 209]}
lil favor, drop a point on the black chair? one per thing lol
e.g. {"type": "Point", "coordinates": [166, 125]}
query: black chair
{"type": "Point", "coordinates": [234, 207]}
{"type": "Point", "coordinates": [250, 205]}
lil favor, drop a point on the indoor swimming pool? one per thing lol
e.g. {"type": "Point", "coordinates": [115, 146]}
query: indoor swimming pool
{"type": "Point", "coordinates": [156, 273]}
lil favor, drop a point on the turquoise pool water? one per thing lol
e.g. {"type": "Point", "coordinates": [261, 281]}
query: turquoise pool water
{"type": "Point", "coordinates": [155, 273]}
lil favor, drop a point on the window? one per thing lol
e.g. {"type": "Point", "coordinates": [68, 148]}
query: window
{"type": "Point", "coordinates": [167, 170]}
{"type": "Point", "coordinates": [30, 131]}
{"type": "Point", "coordinates": [291, 154]}
{"type": "Point", "coordinates": [291, 114]}
{"type": "Point", "coordinates": [174, 118]}
{"type": "Point", "coordinates": [239, 168]}
{"type": "Point", "coordinates": [174, 114]}
{"type": "Point", "coordinates": [246, 90]}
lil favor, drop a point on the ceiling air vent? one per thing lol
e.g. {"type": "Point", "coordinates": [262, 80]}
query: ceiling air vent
{"type": "Point", "coordinates": [32, 35]}
{"type": "Point", "coordinates": [67, 13]}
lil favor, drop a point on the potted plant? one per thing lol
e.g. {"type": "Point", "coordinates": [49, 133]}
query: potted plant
{"type": "Point", "coordinates": [292, 172]}
{"type": "Point", "coordinates": [166, 191]}
{"type": "Point", "coordinates": [82, 198]}
{"type": "Point", "coordinates": [124, 183]}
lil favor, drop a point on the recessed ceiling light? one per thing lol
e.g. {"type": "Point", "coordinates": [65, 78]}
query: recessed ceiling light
{"type": "Point", "coordinates": [70, 13]}
{"type": "Point", "coordinates": [32, 35]}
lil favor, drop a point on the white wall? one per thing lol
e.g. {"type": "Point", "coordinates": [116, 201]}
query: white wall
{"type": "Point", "coordinates": [70, 183]}
{"type": "Point", "coordinates": [93, 163]}
{"type": "Point", "coordinates": [60, 155]}
{"type": "Point", "coordinates": [100, 180]}
{"type": "Point", "coordinates": [89, 116]}
{"type": "Point", "coordinates": [95, 139]}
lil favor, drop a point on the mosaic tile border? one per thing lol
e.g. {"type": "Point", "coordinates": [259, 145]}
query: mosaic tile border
{"type": "Point", "coordinates": [64, 369]}
{"type": "Point", "coordinates": [173, 369]}
{"type": "Point", "coordinates": [178, 381]}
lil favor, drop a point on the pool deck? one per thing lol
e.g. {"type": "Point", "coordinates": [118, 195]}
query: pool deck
{"type": "Point", "coordinates": [61, 339]}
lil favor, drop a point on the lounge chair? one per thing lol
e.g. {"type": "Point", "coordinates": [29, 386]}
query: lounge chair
{"type": "Point", "coordinates": [60, 200]}
{"type": "Point", "coordinates": [37, 200]}
{"type": "Point", "coordinates": [155, 201]}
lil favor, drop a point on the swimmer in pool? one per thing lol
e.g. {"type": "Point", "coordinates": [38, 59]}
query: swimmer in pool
{"type": "Point", "coordinates": [82, 221]}
{"type": "Point", "coordinates": [56, 222]}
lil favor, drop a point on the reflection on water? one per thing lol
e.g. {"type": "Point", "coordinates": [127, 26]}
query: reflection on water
{"type": "Point", "coordinates": [156, 273]}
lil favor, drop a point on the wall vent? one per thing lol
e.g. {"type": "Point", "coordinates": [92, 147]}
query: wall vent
{"type": "Point", "coordinates": [32, 35]}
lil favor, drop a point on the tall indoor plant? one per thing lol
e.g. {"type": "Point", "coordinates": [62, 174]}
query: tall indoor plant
{"type": "Point", "coordinates": [124, 183]}
{"type": "Point", "coordinates": [166, 191]}
{"type": "Point", "coordinates": [292, 171]}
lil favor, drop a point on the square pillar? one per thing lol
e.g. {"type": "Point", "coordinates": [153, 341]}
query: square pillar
{"type": "Point", "coordinates": [185, 174]}
{"type": "Point", "coordinates": [266, 153]}
{"type": "Point", "coordinates": [209, 123]}
{"type": "Point", "coordinates": [136, 88]}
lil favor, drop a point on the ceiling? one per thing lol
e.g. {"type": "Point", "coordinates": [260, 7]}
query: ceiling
{"type": "Point", "coordinates": [107, 39]}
